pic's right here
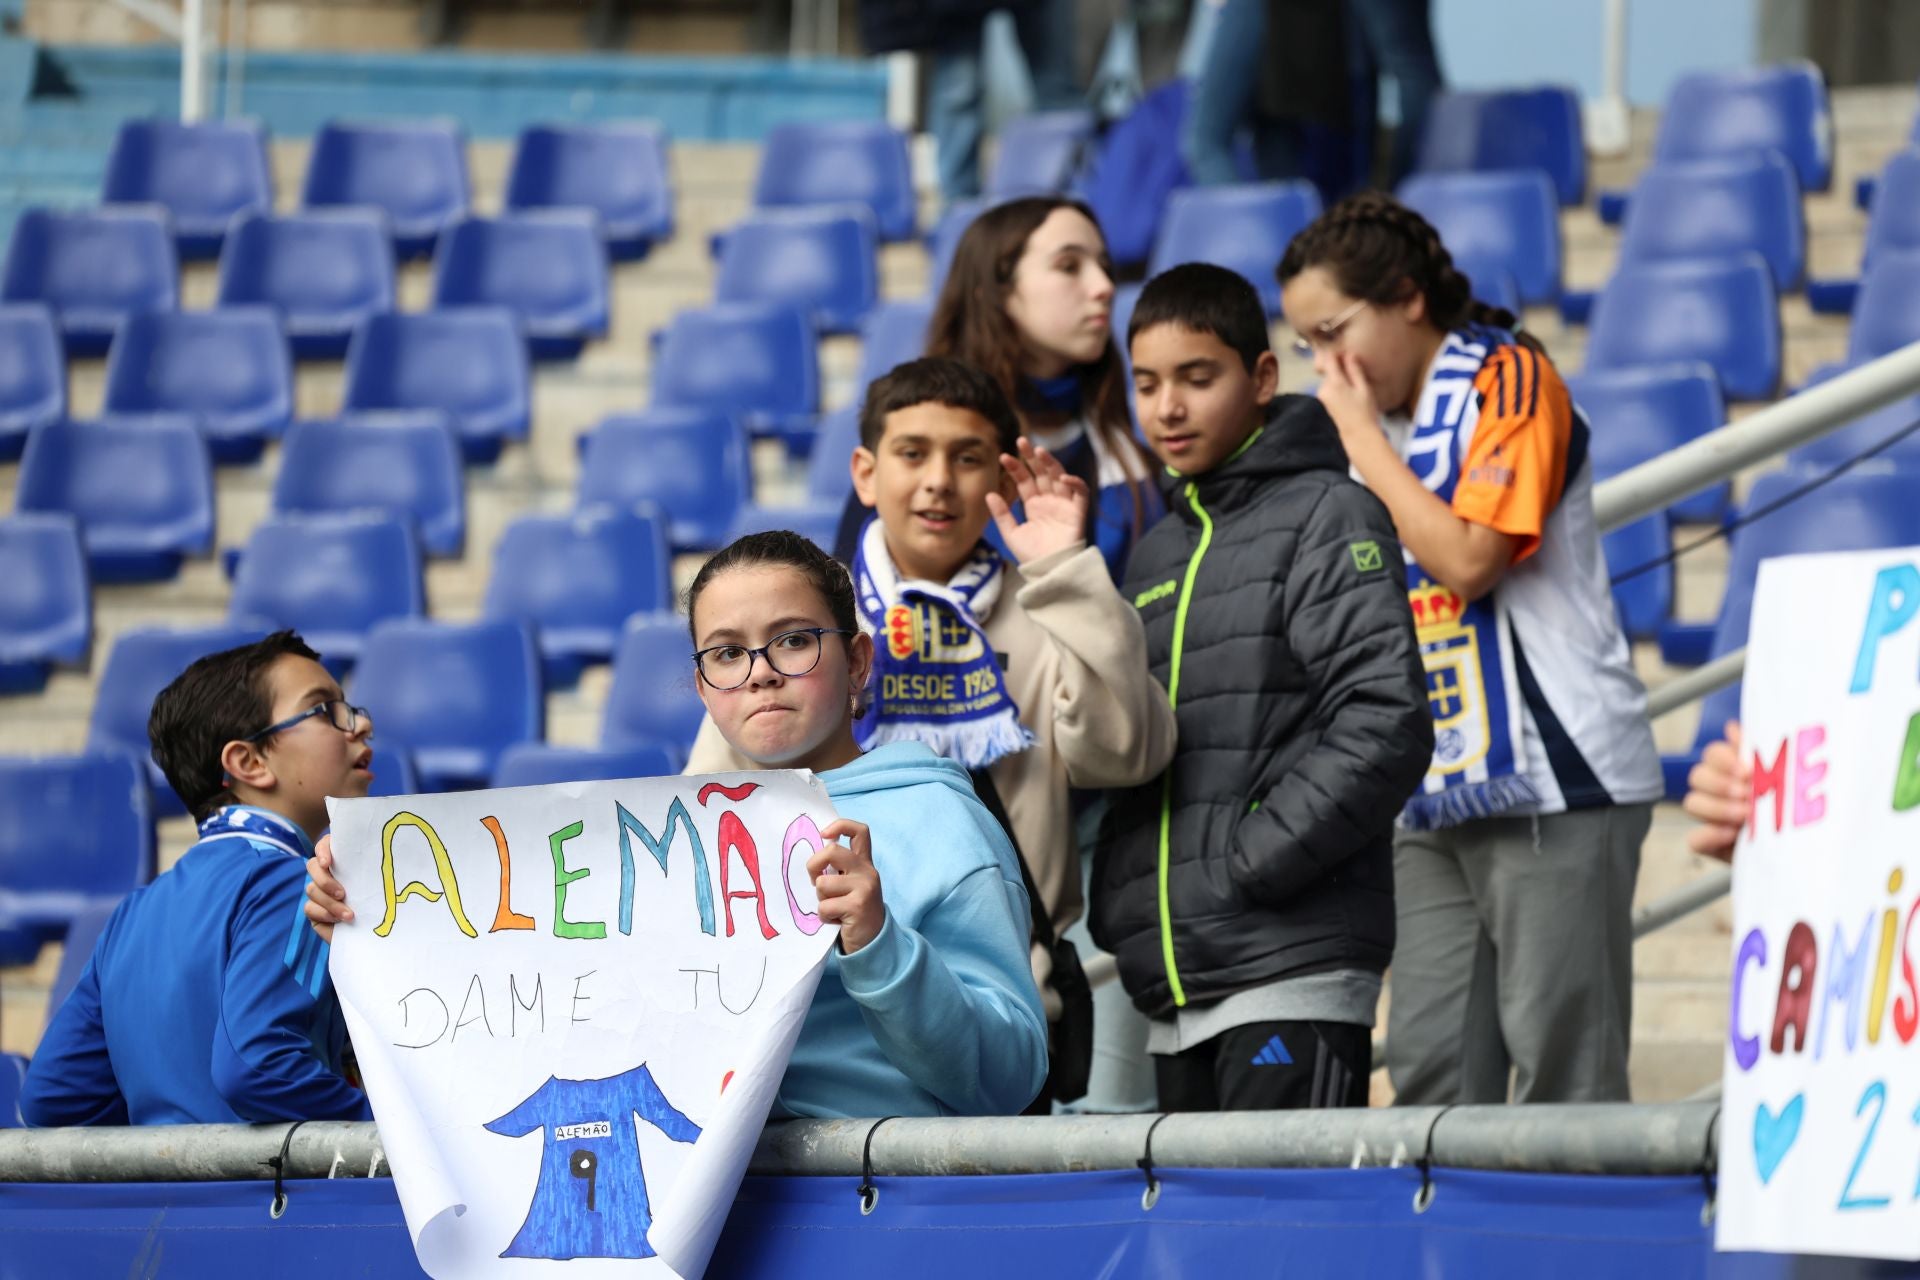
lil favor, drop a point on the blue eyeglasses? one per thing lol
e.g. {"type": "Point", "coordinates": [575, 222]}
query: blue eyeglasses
{"type": "Point", "coordinates": [339, 714]}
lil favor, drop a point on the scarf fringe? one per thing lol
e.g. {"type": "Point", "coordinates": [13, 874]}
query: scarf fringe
{"type": "Point", "coordinates": [973, 743]}
{"type": "Point", "coordinates": [1468, 801]}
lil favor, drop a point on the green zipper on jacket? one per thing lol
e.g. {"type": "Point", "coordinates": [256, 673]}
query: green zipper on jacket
{"type": "Point", "coordinates": [1173, 697]}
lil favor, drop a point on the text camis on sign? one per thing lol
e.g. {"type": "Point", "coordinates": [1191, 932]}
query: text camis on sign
{"type": "Point", "coordinates": [573, 1006]}
{"type": "Point", "coordinates": [1820, 1120]}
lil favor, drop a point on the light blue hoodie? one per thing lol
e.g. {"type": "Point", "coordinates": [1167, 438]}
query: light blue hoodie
{"type": "Point", "coordinates": [938, 1015]}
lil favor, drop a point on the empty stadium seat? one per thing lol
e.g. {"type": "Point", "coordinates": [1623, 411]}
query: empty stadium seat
{"type": "Point", "coordinates": [13, 1078]}
{"type": "Point", "coordinates": [617, 169]}
{"type": "Point", "coordinates": [452, 696]}
{"type": "Point", "coordinates": [470, 363]}
{"type": "Point", "coordinates": [1723, 313]}
{"type": "Point", "coordinates": [944, 239]}
{"type": "Point", "coordinates": [74, 830]}
{"type": "Point", "coordinates": [549, 268]}
{"type": "Point", "coordinates": [33, 375]}
{"type": "Point", "coordinates": [822, 260]}
{"type": "Point", "coordinates": [837, 162]}
{"type": "Point", "coordinates": [393, 773]}
{"type": "Point", "coordinates": [46, 603]}
{"type": "Point", "coordinates": [203, 175]}
{"type": "Point", "coordinates": [1893, 226]}
{"type": "Point", "coordinates": [1492, 283]}
{"type": "Point", "coordinates": [83, 931]}
{"type": "Point", "coordinates": [829, 477]}
{"type": "Point", "coordinates": [1886, 314]}
{"type": "Point", "coordinates": [416, 173]}
{"type": "Point", "coordinates": [1869, 432]}
{"type": "Point", "coordinates": [331, 578]}
{"type": "Point", "coordinates": [1244, 228]}
{"type": "Point", "coordinates": [229, 370]}
{"type": "Point", "coordinates": [1637, 414]}
{"type": "Point", "coordinates": [1509, 220]}
{"type": "Point", "coordinates": [324, 271]}
{"type": "Point", "coordinates": [1850, 513]}
{"type": "Point", "coordinates": [1714, 208]}
{"type": "Point", "coordinates": [1736, 113]}
{"type": "Point", "coordinates": [93, 269]}
{"type": "Point", "coordinates": [653, 699]}
{"type": "Point", "coordinates": [895, 333]}
{"type": "Point", "coordinates": [817, 522]}
{"type": "Point", "coordinates": [140, 664]}
{"type": "Point", "coordinates": [1037, 154]}
{"type": "Point", "coordinates": [576, 578]}
{"type": "Point", "coordinates": [141, 490]}
{"type": "Point", "coordinates": [753, 360]}
{"type": "Point", "coordinates": [690, 464]}
{"type": "Point", "coordinates": [403, 465]}
{"type": "Point", "coordinates": [535, 764]}
{"type": "Point", "coordinates": [1508, 129]}
{"type": "Point", "coordinates": [1645, 599]}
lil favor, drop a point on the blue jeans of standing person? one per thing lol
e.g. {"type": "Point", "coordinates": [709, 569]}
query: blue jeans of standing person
{"type": "Point", "coordinates": [1398, 39]}
{"type": "Point", "coordinates": [957, 88]}
{"type": "Point", "coordinates": [1222, 103]}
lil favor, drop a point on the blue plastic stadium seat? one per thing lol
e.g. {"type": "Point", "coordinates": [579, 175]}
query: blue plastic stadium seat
{"type": "Point", "coordinates": [202, 174]}
{"type": "Point", "coordinates": [821, 259]}
{"type": "Point", "coordinates": [1509, 220]}
{"type": "Point", "coordinates": [1644, 600]}
{"type": "Point", "coordinates": [325, 272]}
{"type": "Point", "coordinates": [46, 601]}
{"type": "Point", "coordinates": [617, 169]}
{"type": "Point", "coordinates": [1722, 312]}
{"type": "Point", "coordinates": [837, 162]}
{"type": "Point", "coordinates": [534, 764]}
{"type": "Point", "coordinates": [895, 333]}
{"type": "Point", "coordinates": [13, 1078]}
{"type": "Point", "coordinates": [1492, 283]}
{"type": "Point", "coordinates": [33, 375]}
{"type": "Point", "coordinates": [229, 370]}
{"type": "Point", "coordinates": [83, 931]}
{"type": "Point", "coordinates": [331, 578]}
{"type": "Point", "coordinates": [1893, 226]}
{"type": "Point", "coordinates": [653, 699]}
{"type": "Point", "coordinates": [1867, 432]}
{"type": "Point", "coordinates": [1734, 113]}
{"type": "Point", "coordinates": [944, 239]}
{"type": "Point", "coordinates": [1038, 154]}
{"type": "Point", "coordinates": [817, 522]}
{"type": "Point", "coordinates": [829, 477]}
{"type": "Point", "coordinates": [470, 363]}
{"type": "Point", "coordinates": [756, 361]}
{"type": "Point", "coordinates": [1637, 414]}
{"type": "Point", "coordinates": [550, 268]}
{"type": "Point", "coordinates": [690, 464]}
{"type": "Point", "coordinates": [141, 664]}
{"type": "Point", "coordinates": [1852, 513]}
{"type": "Point", "coordinates": [142, 491]}
{"type": "Point", "coordinates": [93, 269]}
{"type": "Point", "coordinates": [393, 773]}
{"type": "Point", "coordinates": [1714, 208]}
{"type": "Point", "coordinates": [417, 173]}
{"type": "Point", "coordinates": [452, 696]}
{"type": "Point", "coordinates": [403, 465]}
{"type": "Point", "coordinates": [576, 578]}
{"type": "Point", "coordinates": [1244, 228]}
{"type": "Point", "coordinates": [1886, 314]}
{"type": "Point", "coordinates": [1535, 128]}
{"type": "Point", "coordinates": [74, 831]}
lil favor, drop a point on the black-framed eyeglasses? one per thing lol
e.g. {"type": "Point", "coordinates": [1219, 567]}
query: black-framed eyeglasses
{"type": "Point", "coordinates": [791, 653]}
{"type": "Point", "coordinates": [1327, 332]}
{"type": "Point", "coordinates": [339, 714]}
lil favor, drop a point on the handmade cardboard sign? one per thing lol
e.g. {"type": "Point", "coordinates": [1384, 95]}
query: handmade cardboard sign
{"type": "Point", "coordinates": [572, 1006]}
{"type": "Point", "coordinates": [1820, 1117]}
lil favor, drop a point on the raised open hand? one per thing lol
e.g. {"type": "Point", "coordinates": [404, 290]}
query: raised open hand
{"type": "Point", "coordinates": [1053, 502]}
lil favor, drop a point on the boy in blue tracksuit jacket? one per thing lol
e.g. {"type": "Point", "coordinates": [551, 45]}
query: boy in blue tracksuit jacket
{"type": "Point", "coordinates": [207, 998]}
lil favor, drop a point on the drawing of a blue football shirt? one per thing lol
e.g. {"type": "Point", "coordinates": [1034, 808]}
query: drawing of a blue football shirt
{"type": "Point", "coordinates": [591, 1200]}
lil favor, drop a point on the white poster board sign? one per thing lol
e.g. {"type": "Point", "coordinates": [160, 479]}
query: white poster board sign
{"type": "Point", "coordinates": [572, 1006]}
{"type": "Point", "coordinates": [1820, 1118]}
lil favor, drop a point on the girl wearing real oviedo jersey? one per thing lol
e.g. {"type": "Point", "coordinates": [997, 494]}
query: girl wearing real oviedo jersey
{"type": "Point", "coordinates": [1516, 860]}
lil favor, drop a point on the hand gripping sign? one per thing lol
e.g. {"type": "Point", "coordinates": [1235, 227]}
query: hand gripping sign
{"type": "Point", "coordinates": [572, 1006]}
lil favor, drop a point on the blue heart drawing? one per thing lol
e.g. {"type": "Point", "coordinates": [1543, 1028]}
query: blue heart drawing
{"type": "Point", "coordinates": [1773, 1135]}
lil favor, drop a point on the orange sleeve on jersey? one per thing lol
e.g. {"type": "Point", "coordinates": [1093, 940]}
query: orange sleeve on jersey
{"type": "Point", "coordinates": [1515, 469]}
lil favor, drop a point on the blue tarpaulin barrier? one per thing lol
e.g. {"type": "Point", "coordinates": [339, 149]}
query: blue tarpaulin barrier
{"type": "Point", "coordinates": [1207, 1223]}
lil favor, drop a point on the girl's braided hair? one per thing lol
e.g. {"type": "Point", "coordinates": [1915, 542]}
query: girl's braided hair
{"type": "Point", "coordinates": [1378, 249]}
